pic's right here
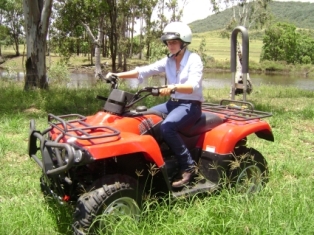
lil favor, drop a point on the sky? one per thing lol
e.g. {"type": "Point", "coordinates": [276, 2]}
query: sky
{"type": "Point", "coordinates": [196, 10]}
{"type": "Point", "coordinates": [200, 9]}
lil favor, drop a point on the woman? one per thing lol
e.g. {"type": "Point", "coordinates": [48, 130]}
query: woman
{"type": "Point", "coordinates": [184, 71]}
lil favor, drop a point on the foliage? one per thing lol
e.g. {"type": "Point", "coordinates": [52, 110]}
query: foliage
{"type": "Point", "coordinates": [202, 53]}
{"type": "Point", "coordinates": [58, 73]}
{"type": "Point", "coordinates": [305, 48]}
{"type": "Point", "coordinates": [157, 51]}
{"type": "Point", "coordinates": [297, 13]}
{"type": "Point", "coordinates": [283, 43]}
{"type": "Point", "coordinates": [12, 18]}
{"type": "Point", "coordinates": [252, 14]}
{"type": "Point", "coordinates": [4, 36]}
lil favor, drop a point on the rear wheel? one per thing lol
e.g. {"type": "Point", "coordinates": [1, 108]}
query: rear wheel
{"type": "Point", "coordinates": [249, 172]}
{"type": "Point", "coordinates": [118, 196]}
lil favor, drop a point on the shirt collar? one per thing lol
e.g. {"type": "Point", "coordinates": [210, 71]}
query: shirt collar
{"type": "Point", "coordinates": [185, 57]}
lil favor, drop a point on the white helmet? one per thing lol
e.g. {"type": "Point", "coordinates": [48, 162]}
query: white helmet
{"type": "Point", "coordinates": [177, 30]}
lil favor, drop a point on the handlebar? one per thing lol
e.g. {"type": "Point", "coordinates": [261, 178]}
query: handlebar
{"type": "Point", "coordinates": [113, 80]}
{"type": "Point", "coordinates": [124, 98]}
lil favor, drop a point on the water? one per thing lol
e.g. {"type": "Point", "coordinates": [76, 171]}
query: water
{"type": "Point", "coordinates": [215, 80]}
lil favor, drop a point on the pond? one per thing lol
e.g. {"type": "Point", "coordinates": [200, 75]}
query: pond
{"type": "Point", "coordinates": [213, 79]}
{"type": "Point", "coordinates": [216, 80]}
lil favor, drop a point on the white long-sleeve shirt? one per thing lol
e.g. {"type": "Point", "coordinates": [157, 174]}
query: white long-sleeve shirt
{"type": "Point", "coordinates": [190, 72]}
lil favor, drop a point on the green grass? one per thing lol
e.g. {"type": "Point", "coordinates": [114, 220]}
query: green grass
{"type": "Point", "coordinates": [285, 206]}
{"type": "Point", "coordinates": [219, 48]}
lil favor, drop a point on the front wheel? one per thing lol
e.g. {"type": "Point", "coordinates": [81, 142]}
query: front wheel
{"type": "Point", "coordinates": [118, 196]}
{"type": "Point", "coordinates": [249, 171]}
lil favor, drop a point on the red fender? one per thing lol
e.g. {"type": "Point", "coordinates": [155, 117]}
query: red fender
{"type": "Point", "coordinates": [223, 138]}
{"type": "Point", "coordinates": [128, 143]}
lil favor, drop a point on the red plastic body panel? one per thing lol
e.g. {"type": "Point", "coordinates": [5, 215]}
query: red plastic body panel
{"type": "Point", "coordinates": [134, 125]}
{"type": "Point", "coordinates": [128, 141]}
{"type": "Point", "coordinates": [223, 138]}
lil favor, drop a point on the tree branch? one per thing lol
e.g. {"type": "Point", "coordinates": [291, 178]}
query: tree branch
{"type": "Point", "coordinates": [45, 16]}
{"type": "Point", "coordinates": [90, 33]}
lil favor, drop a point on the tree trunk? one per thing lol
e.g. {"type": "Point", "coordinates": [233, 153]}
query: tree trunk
{"type": "Point", "coordinates": [97, 44]}
{"type": "Point", "coordinates": [16, 42]}
{"type": "Point", "coordinates": [147, 50]}
{"type": "Point", "coordinates": [125, 64]}
{"type": "Point", "coordinates": [141, 38]}
{"type": "Point", "coordinates": [113, 36]}
{"type": "Point", "coordinates": [36, 15]}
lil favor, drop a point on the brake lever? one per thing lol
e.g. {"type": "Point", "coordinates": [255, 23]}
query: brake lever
{"type": "Point", "coordinates": [153, 90]}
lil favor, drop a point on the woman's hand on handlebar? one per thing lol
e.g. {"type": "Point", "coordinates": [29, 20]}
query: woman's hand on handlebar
{"type": "Point", "coordinates": [169, 89]}
{"type": "Point", "coordinates": [108, 75]}
{"type": "Point", "coordinates": [111, 78]}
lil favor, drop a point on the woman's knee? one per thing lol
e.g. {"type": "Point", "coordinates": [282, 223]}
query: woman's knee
{"type": "Point", "coordinates": [167, 129]}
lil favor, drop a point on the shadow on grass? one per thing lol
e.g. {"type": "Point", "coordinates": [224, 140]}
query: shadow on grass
{"type": "Point", "coordinates": [62, 215]}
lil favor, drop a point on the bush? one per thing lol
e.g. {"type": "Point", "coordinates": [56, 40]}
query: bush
{"type": "Point", "coordinates": [58, 74]}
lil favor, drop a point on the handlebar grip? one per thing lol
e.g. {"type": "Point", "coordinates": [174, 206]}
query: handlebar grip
{"type": "Point", "coordinates": [112, 79]}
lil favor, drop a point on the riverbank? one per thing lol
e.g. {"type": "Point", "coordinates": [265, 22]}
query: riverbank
{"type": "Point", "coordinates": [81, 64]}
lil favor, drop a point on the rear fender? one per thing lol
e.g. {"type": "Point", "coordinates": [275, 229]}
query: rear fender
{"type": "Point", "coordinates": [129, 143]}
{"type": "Point", "coordinates": [223, 139]}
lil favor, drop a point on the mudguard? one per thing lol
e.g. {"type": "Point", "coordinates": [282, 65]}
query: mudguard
{"type": "Point", "coordinates": [223, 138]}
{"type": "Point", "coordinates": [129, 143]}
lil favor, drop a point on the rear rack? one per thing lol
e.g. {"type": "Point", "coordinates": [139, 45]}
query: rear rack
{"type": "Point", "coordinates": [235, 110]}
{"type": "Point", "coordinates": [65, 124]}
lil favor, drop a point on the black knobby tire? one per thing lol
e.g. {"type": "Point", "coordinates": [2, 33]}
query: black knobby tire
{"type": "Point", "coordinates": [118, 195]}
{"type": "Point", "coordinates": [249, 171]}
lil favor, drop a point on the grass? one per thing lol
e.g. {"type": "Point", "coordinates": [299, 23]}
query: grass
{"type": "Point", "coordinates": [285, 206]}
{"type": "Point", "coordinates": [219, 48]}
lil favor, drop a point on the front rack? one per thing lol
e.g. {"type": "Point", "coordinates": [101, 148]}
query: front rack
{"type": "Point", "coordinates": [235, 110]}
{"type": "Point", "coordinates": [66, 125]}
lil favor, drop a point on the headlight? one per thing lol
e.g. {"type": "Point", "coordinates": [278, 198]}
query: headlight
{"type": "Point", "coordinates": [78, 154]}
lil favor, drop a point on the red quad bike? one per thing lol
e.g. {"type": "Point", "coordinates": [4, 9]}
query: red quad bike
{"type": "Point", "coordinates": [106, 163]}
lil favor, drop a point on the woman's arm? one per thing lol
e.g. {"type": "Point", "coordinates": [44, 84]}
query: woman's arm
{"type": "Point", "coordinates": [128, 74]}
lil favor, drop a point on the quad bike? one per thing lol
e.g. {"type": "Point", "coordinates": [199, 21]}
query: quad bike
{"type": "Point", "coordinates": [106, 163]}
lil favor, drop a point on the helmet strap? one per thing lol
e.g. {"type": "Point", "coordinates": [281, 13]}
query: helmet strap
{"type": "Point", "coordinates": [176, 54]}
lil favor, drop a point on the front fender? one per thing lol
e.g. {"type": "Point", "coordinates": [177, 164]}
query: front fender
{"type": "Point", "coordinates": [223, 139]}
{"type": "Point", "coordinates": [128, 143]}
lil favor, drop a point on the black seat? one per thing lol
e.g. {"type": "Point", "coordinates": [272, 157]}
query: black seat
{"type": "Point", "coordinates": [206, 122]}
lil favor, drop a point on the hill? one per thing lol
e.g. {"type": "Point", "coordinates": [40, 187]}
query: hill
{"type": "Point", "coordinates": [298, 13]}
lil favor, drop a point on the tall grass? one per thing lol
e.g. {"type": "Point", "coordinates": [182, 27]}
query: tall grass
{"type": "Point", "coordinates": [284, 206]}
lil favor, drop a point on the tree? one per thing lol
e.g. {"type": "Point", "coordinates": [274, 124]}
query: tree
{"type": "Point", "coordinates": [247, 13]}
{"type": "Point", "coordinates": [83, 9]}
{"type": "Point", "coordinates": [305, 48]}
{"type": "Point", "coordinates": [4, 36]}
{"type": "Point", "coordinates": [36, 14]}
{"type": "Point", "coordinates": [282, 42]}
{"type": "Point", "coordinates": [12, 18]}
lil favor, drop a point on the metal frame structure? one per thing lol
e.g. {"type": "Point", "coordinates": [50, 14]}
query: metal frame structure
{"type": "Point", "coordinates": [245, 60]}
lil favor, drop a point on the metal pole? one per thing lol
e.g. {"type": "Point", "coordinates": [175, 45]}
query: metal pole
{"type": "Point", "coordinates": [245, 58]}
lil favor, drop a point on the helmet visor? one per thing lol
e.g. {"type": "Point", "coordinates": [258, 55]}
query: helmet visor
{"type": "Point", "coordinates": [170, 36]}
